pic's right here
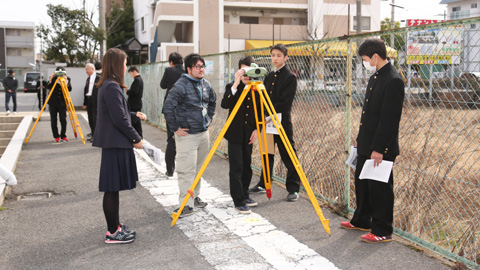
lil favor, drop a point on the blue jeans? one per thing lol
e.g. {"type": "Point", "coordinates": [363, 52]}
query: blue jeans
{"type": "Point", "coordinates": [7, 100]}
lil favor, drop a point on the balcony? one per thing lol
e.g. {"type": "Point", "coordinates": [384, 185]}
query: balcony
{"type": "Point", "coordinates": [265, 31]}
{"type": "Point", "coordinates": [19, 42]}
{"type": "Point", "coordinates": [20, 61]}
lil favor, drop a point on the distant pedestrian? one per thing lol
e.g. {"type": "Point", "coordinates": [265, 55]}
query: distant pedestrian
{"type": "Point", "coordinates": [41, 92]}
{"type": "Point", "coordinates": [170, 77]}
{"type": "Point", "coordinates": [10, 84]}
{"type": "Point", "coordinates": [116, 136]}
{"type": "Point", "coordinates": [135, 94]}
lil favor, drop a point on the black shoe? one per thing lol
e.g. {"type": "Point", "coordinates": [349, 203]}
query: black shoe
{"type": "Point", "coordinates": [89, 135]}
{"type": "Point", "coordinates": [292, 197]}
{"type": "Point", "coordinates": [243, 209]}
{"type": "Point", "coordinates": [187, 211]}
{"type": "Point", "coordinates": [119, 237]}
{"type": "Point", "coordinates": [89, 140]}
{"type": "Point", "coordinates": [126, 229]}
{"type": "Point", "coordinates": [257, 189]}
{"type": "Point", "coordinates": [250, 203]}
{"type": "Point", "coordinates": [199, 203]}
{"type": "Point", "coordinates": [169, 174]}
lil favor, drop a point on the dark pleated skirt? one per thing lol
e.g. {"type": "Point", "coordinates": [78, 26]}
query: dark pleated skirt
{"type": "Point", "coordinates": [118, 170]}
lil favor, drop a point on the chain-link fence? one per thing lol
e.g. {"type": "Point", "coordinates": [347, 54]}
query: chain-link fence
{"type": "Point", "coordinates": [437, 186]}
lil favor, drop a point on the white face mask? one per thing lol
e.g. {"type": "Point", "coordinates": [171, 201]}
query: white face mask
{"type": "Point", "coordinates": [370, 69]}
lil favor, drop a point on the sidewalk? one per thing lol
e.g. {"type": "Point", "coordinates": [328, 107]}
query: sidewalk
{"type": "Point", "coordinates": [66, 231]}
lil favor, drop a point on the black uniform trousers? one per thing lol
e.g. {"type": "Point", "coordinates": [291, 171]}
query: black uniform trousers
{"type": "Point", "coordinates": [62, 113]}
{"type": "Point", "coordinates": [170, 152]}
{"type": "Point", "coordinates": [293, 180]}
{"type": "Point", "coordinates": [240, 158]}
{"type": "Point", "coordinates": [92, 114]}
{"type": "Point", "coordinates": [137, 125]}
{"type": "Point", "coordinates": [42, 96]}
{"type": "Point", "coordinates": [374, 202]}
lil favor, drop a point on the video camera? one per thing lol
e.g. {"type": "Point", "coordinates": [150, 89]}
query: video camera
{"type": "Point", "coordinates": [60, 73]}
{"type": "Point", "coordinates": [254, 71]}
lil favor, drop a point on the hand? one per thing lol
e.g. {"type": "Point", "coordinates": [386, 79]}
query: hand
{"type": "Point", "coordinates": [84, 107]}
{"type": "Point", "coordinates": [138, 145]}
{"type": "Point", "coordinates": [238, 76]}
{"type": "Point", "coordinates": [141, 115]}
{"type": "Point", "coordinates": [182, 132]}
{"type": "Point", "coordinates": [253, 137]}
{"type": "Point", "coordinates": [10, 91]}
{"type": "Point", "coordinates": [377, 158]}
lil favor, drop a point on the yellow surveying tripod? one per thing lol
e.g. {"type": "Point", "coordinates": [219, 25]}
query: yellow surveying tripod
{"type": "Point", "coordinates": [264, 101]}
{"type": "Point", "coordinates": [70, 108]}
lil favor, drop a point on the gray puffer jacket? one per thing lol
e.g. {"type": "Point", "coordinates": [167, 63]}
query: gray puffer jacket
{"type": "Point", "coordinates": [190, 104]}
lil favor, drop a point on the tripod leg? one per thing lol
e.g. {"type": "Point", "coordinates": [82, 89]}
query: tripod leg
{"type": "Point", "coordinates": [176, 215]}
{"type": "Point", "coordinates": [66, 96]}
{"type": "Point", "coordinates": [41, 111]}
{"type": "Point", "coordinates": [71, 112]}
{"type": "Point", "coordinates": [273, 114]}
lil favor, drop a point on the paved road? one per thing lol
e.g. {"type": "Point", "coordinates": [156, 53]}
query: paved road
{"type": "Point", "coordinates": [66, 231]}
{"type": "Point", "coordinates": [26, 102]}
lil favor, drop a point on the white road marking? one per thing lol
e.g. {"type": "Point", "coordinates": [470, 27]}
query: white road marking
{"type": "Point", "coordinates": [227, 239]}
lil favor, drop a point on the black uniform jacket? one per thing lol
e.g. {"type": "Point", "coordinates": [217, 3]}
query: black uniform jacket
{"type": "Point", "coordinates": [381, 113]}
{"type": "Point", "coordinates": [170, 77]}
{"type": "Point", "coordinates": [57, 97]}
{"type": "Point", "coordinates": [94, 95]}
{"type": "Point", "coordinates": [281, 86]}
{"type": "Point", "coordinates": [135, 94]}
{"type": "Point", "coordinates": [244, 122]}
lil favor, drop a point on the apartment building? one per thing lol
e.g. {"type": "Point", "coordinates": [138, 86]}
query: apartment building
{"type": "Point", "coordinates": [215, 26]}
{"type": "Point", "coordinates": [17, 50]}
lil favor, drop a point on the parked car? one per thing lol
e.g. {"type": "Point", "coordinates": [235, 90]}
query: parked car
{"type": "Point", "coordinates": [30, 81]}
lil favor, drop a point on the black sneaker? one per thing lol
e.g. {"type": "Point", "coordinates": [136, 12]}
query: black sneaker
{"type": "Point", "coordinates": [257, 189]}
{"type": "Point", "coordinates": [126, 229]}
{"type": "Point", "coordinates": [243, 209]}
{"type": "Point", "coordinates": [250, 203]}
{"type": "Point", "coordinates": [292, 197]}
{"type": "Point", "coordinates": [199, 203]}
{"type": "Point", "coordinates": [119, 237]}
{"type": "Point", "coordinates": [169, 174]}
{"type": "Point", "coordinates": [187, 211]}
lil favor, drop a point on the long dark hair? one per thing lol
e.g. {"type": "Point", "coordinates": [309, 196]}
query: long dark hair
{"type": "Point", "coordinates": [112, 66]}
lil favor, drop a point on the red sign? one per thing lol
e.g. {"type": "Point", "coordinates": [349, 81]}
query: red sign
{"type": "Point", "coordinates": [420, 22]}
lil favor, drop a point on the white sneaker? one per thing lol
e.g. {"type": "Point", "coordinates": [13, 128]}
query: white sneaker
{"type": "Point", "coordinates": [8, 112]}
{"type": "Point", "coordinates": [14, 112]}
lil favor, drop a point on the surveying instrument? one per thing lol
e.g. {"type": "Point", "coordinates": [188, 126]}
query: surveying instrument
{"type": "Point", "coordinates": [256, 85]}
{"type": "Point", "coordinates": [68, 102]}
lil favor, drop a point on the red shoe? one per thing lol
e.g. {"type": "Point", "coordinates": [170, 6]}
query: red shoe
{"type": "Point", "coordinates": [57, 139]}
{"type": "Point", "coordinates": [347, 225]}
{"type": "Point", "coordinates": [64, 139]}
{"type": "Point", "coordinates": [372, 238]}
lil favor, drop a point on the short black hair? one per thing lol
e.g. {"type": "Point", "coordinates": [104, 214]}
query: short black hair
{"type": "Point", "coordinates": [175, 58]}
{"type": "Point", "coordinates": [10, 71]}
{"type": "Point", "coordinates": [133, 68]}
{"type": "Point", "coordinates": [192, 59]}
{"type": "Point", "coordinates": [281, 47]}
{"type": "Point", "coordinates": [373, 46]}
{"type": "Point", "coordinates": [246, 60]}
{"type": "Point", "coordinates": [60, 68]}
{"type": "Point", "coordinates": [98, 66]}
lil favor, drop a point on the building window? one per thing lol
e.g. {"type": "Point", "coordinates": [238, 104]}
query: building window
{"type": "Point", "coordinates": [365, 23]}
{"type": "Point", "coordinates": [474, 5]}
{"type": "Point", "coordinates": [248, 20]}
{"type": "Point", "coordinates": [455, 9]}
{"type": "Point", "coordinates": [277, 21]}
{"type": "Point", "coordinates": [142, 24]}
{"type": "Point", "coordinates": [226, 19]}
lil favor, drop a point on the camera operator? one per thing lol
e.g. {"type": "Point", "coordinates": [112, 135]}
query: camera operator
{"type": "Point", "coordinates": [58, 106]}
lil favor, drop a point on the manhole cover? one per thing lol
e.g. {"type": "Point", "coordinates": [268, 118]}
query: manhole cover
{"type": "Point", "coordinates": [35, 196]}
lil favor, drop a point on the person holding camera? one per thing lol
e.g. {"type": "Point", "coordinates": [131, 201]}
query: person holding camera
{"type": "Point", "coordinates": [57, 105]}
{"type": "Point", "coordinates": [241, 134]}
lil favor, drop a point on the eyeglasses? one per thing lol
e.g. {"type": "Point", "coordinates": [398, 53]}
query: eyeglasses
{"type": "Point", "coordinates": [199, 67]}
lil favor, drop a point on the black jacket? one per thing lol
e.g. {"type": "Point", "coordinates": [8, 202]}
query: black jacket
{"type": "Point", "coordinates": [281, 86]}
{"type": "Point", "coordinates": [94, 95]}
{"type": "Point", "coordinates": [135, 94]}
{"type": "Point", "coordinates": [57, 98]}
{"type": "Point", "coordinates": [10, 83]}
{"type": "Point", "coordinates": [114, 128]}
{"type": "Point", "coordinates": [170, 77]}
{"type": "Point", "coordinates": [381, 113]}
{"type": "Point", "coordinates": [244, 122]}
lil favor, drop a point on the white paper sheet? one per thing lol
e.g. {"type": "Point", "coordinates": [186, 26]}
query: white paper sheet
{"type": "Point", "coordinates": [380, 173]}
{"type": "Point", "coordinates": [271, 129]}
{"type": "Point", "coordinates": [352, 159]}
{"type": "Point", "coordinates": [154, 153]}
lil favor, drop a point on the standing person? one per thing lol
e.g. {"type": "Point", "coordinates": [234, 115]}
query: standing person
{"type": "Point", "coordinates": [10, 84]}
{"type": "Point", "coordinates": [241, 135]}
{"type": "Point", "coordinates": [378, 140]}
{"type": "Point", "coordinates": [135, 94]}
{"type": "Point", "coordinates": [116, 136]}
{"type": "Point", "coordinates": [281, 86]}
{"type": "Point", "coordinates": [170, 77]}
{"type": "Point", "coordinates": [189, 110]}
{"type": "Point", "coordinates": [41, 92]}
{"type": "Point", "coordinates": [58, 106]}
{"type": "Point", "coordinates": [90, 97]}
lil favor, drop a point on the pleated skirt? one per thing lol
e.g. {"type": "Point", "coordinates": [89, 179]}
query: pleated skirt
{"type": "Point", "coordinates": [118, 170]}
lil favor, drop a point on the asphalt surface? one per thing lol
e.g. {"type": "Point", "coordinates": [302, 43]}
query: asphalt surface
{"type": "Point", "coordinates": [66, 231]}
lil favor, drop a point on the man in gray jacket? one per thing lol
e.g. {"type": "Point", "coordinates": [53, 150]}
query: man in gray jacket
{"type": "Point", "coordinates": [11, 84]}
{"type": "Point", "coordinates": [189, 110]}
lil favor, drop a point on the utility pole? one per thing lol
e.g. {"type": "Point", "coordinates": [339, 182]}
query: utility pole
{"type": "Point", "coordinates": [101, 12]}
{"type": "Point", "coordinates": [359, 16]}
{"type": "Point", "coordinates": [392, 25]}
